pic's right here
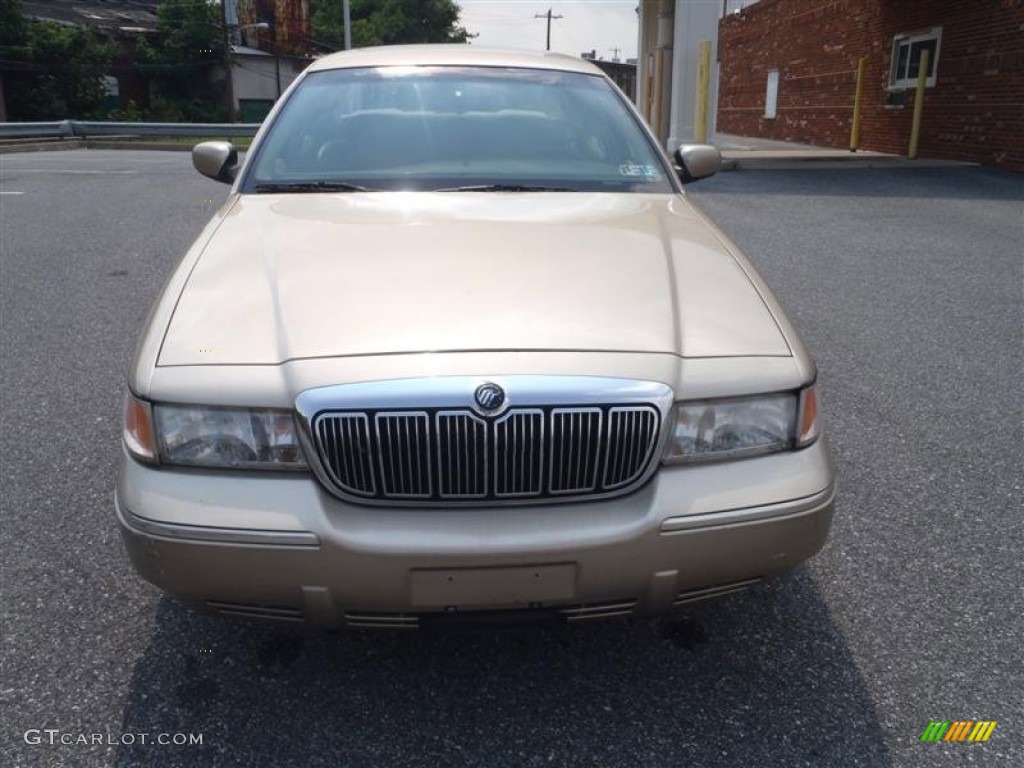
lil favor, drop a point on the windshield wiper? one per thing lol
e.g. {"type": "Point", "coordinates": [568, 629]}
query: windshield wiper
{"type": "Point", "coordinates": [310, 186]}
{"type": "Point", "coordinates": [506, 188]}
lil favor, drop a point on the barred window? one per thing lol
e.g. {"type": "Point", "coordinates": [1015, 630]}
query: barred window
{"type": "Point", "coordinates": [906, 58]}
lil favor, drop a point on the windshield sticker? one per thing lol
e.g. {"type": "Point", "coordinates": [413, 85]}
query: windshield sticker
{"type": "Point", "coordinates": [643, 171]}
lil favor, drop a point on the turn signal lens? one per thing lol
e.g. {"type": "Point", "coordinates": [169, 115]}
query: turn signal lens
{"type": "Point", "coordinates": [138, 429]}
{"type": "Point", "coordinates": [809, 426]}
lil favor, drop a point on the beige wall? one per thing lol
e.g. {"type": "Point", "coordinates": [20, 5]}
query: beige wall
{"type": "Point", "coordinates": [670, 31]}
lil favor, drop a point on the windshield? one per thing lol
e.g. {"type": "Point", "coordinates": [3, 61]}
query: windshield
{"type": "Point", "coordinates": [435, 128]}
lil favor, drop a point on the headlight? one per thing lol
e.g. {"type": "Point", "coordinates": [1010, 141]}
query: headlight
{"type": "Point", "coordinates": [738, 427]}
{"type": "Point", "coordinates": [227, 437]}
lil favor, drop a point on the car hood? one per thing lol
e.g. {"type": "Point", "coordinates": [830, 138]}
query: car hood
{"type": "Point", "coordinates": [287, 277]}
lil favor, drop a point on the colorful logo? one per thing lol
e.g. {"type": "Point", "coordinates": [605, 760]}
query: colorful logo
{"type": "Point", "coordinates": [958, 730]}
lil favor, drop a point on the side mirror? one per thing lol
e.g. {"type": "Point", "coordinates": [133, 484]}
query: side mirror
{"type": "Point", "coordinates": [216, 159]}
{"type": "Point", "coordinates": [697, 161]}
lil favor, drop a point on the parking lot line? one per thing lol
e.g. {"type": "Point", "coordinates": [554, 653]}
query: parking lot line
{"type": "Point", "coordinates": [71, 170]}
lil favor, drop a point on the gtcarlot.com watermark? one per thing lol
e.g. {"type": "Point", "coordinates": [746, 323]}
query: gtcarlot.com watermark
{"type": "Point", "coordinates": [56, 736]}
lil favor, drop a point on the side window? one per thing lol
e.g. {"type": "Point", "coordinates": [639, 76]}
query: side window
{"type": "Point", "coordinates": [906, 58]}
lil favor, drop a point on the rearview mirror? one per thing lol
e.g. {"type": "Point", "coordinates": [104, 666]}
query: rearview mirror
{"type": "Point", "coordinates": [216, 159]}
{"type": "Point", "coordinates": [697, 161]}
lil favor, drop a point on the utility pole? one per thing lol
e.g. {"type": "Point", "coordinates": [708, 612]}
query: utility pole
{"type": "Point", "coordinates": [229, 85]}
{"type": "Point", "coordinates": [346, 12]}
{"type": "Point", "coordinates": [615, 53]}
{"type": "Point", "coordinates": [549, 17]}
{"type": "Point", "coordinates": [277, 68]}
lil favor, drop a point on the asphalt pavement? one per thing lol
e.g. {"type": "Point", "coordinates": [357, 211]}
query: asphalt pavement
{"type": "Point", "coordinates": [907, 286]}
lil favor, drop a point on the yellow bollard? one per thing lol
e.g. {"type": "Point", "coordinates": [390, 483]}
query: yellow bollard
{"type": "Point", "coordinates": [922, 79]}
{"type": "Point", "coordinates": [658, 101]}
{"type": "Point", "coordinates": [862, 66]}
{"type": "Point", "coordinates": [700, 127]}
{"type": "Point", "coordinates": [648, 102]}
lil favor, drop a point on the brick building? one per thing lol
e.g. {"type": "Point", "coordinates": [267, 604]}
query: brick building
{"type": "Point", "coordinates": [788, 71]}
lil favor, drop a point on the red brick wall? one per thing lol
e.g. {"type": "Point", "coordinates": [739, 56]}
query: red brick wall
{"type": "Point", "coordinates": [974, 112]}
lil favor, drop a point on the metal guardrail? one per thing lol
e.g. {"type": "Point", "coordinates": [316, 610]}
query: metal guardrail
{"type": "Point", "coordinates": [32, 130]}
{"type": "Point", "coordinates": [84, 128]}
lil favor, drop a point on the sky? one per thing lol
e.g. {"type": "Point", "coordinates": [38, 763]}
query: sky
{"type": "Point", "coordinates": [586, 25]}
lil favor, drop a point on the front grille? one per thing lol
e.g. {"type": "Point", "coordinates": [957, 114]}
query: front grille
{"type": "Point", "coordinates": [455, 455]}
{"type": "Point", "coordinates": [519, 452]}
{"type": "Point", "coordinates": [575, 450]}
{"type": "Point", "coordinates": [403, 455]}
{"type": "Point", "coordinates": [461, 456]}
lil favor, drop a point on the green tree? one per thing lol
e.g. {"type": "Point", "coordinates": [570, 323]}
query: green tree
{"type": "Point", "coordinates": [181, 61]}
{"type": "Point", "coordinates": [53, 71]}
{"type": "Point", "coordinates": [388, 22]}
{"type": "Point", "coordinates": [12, 26]}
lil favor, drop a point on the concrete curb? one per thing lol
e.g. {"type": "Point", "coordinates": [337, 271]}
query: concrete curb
{"type": "Point", "coordinates": [40, 146]}
{"type": "Point", "coordinates": [164, 146]}
{"type": "Point", "coordinates": [52, 146]}
{"type": "Point", "coordinates": [783, 160]}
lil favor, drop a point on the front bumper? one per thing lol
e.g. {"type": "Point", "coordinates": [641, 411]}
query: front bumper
{"type": "Point", "coordinates": [279, 546]}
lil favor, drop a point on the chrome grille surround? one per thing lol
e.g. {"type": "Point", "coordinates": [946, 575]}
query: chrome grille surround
{"type": "Point", "coordinates": [425, 442]}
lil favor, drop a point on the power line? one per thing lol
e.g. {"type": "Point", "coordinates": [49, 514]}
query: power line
{"type": "Point", "coordinates": [571, 36]}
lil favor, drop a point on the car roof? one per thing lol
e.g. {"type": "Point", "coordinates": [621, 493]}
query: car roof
{"type": "Point", "coordinates": [451, 55]}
